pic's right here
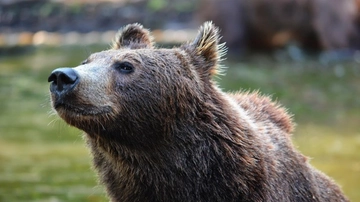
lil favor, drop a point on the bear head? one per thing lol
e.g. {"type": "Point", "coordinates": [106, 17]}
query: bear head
{"type": "Point", "coordinates": [134, 92]}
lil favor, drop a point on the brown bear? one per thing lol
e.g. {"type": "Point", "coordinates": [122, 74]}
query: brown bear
{"type": "Point", "coordinates": [264, 24]}
{"type": "Point", "coordinates": [160, 129]}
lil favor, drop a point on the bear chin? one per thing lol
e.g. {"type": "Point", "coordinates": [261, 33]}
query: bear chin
{"type": "Point", "coordinates": [72, 113]}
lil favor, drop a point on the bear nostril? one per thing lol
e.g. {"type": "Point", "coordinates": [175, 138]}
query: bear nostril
{"type": "Point", "coordinates": [52, 78]}
{"type": "Point", "coordinates": [63, 79]}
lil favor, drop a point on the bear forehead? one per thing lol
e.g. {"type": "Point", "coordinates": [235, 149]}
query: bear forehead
{"type": "Point", "coordinates": [136, 55]}
{"type": "Point", "coordinates": [114, 55]}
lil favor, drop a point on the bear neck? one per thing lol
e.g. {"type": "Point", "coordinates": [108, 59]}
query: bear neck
{"type": "Point", "coordinates": [167, 164]}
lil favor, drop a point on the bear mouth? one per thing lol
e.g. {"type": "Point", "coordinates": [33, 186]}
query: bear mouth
{"type": "Point", "coordinates": [86, 110]}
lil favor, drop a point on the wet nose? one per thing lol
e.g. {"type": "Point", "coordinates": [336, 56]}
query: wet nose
{"type": "Point", "coordinates": [63, 80]}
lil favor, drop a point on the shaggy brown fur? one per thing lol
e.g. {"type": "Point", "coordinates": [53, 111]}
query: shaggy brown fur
{"type": "Point", "coordinates": [161, 130]}
{"type": "Point", "coordinates": [263, 24]}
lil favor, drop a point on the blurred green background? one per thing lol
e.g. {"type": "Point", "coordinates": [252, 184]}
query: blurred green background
{"type": "Point", "coordinates": [43, 159]}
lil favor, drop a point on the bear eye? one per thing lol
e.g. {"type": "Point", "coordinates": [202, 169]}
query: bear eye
{"type": "Point", "coordinates": [124, 67]}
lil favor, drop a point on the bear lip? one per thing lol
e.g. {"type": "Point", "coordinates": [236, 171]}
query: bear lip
{"type": "Point", "coordinates": [85, 111]}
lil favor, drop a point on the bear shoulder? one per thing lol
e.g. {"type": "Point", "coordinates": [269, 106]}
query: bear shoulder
{"type": "Point", "coordinates": [262, 109]}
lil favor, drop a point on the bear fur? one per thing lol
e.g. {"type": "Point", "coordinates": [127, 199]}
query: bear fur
{"type": "Point", "coordinates": [160, 129]}
{"type": "Point", "coordinates": [263, 24]}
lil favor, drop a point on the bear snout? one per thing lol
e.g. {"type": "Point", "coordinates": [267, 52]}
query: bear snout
{"type": "Point", "coordinates": [63, 80]}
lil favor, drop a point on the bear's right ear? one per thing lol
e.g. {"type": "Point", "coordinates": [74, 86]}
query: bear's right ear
{"type": "Point", "coordinates": [206, 46]}
{"type": "Point", "coordinates": [133, 36]}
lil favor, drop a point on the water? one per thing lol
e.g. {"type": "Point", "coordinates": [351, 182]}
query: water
{"type": "Point", "coordinates": [42, 159]}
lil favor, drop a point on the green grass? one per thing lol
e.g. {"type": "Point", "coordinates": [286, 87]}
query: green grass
{"type": "Point", "coordinates": [45, 171]}
{"type": "Point", "coordinates": [42, 159]}
{"type": "Point", "coordinates": [335, 152]}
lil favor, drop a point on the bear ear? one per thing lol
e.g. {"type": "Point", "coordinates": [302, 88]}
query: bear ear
{"type": "Point", "coordinates": [133, 36]}
{"type": "Point", "coordinates": [206, 45]}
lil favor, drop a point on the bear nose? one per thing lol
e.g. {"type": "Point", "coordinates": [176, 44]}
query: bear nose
{"type": "Point", "coordinates": [63, 80]}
